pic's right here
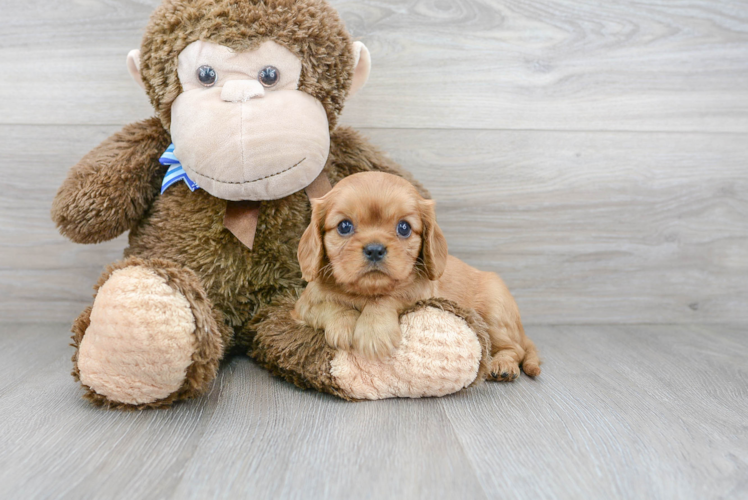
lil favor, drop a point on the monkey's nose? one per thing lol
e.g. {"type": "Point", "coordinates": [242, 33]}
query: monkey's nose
{"type": "Point", "coordinates": [374, 252]}
{"type": "Point", "coordinates": [242, 90]}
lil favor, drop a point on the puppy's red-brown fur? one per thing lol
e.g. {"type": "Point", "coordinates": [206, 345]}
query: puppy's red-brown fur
{"type": "Point", "coordinates": [357, 298]}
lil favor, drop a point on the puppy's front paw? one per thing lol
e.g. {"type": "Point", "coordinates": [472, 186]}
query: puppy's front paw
{"type": "Point", "coordinates": [376, 340]}
{"type": "Point", "coordinates": [339, 332]}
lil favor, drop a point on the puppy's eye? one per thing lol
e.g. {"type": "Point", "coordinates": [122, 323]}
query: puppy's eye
{"type": "Point", "coordinates": [207, 76]}
{"type": "Point", "coordinates": [403, 229]}
{"type": "Point", "coordinates": [345, 228]}
{"type": "Point", "coordinates": [269, 76]}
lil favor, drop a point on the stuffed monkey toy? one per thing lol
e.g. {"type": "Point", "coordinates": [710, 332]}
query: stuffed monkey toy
{"type": "Point", "coordinates": [214, 191]}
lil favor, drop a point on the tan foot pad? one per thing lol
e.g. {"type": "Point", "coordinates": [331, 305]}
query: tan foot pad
{"type": "Point", "coordinates": [439, 354]}
{"type": "Point", "coordinates": [140, 341]}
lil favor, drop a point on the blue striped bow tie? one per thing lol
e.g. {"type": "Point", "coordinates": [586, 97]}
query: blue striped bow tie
{"type": "Point", "coordinates": [175, 173]}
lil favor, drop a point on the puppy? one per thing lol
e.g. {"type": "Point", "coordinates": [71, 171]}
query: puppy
{"type": "Point", "coordinates": [373, 249]}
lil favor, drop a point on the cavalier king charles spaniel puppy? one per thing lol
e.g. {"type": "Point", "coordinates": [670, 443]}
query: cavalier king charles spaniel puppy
{"type": "Point", "coordinates": [372, 250]}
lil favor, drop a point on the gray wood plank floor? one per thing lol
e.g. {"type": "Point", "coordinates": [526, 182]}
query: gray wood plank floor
{"type": "Point", "coordinates": [630, 412]}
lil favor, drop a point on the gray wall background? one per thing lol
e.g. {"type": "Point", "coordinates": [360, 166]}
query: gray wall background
{"type": "Point", "coordinates": [595, 154]}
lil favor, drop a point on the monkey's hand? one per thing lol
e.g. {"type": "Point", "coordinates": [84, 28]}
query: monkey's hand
{"type": "Point", "coordinates": [377, 331]}
{"type": "Point", "coordinates": [112, 187]}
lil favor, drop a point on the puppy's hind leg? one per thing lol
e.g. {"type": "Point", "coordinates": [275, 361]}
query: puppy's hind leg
{"type": "Point", "coordinates": [509, 356]}
{"type": "Point", "coordinates": [531, 363]}
{"type": "Point", "coordinates": [510, 347]}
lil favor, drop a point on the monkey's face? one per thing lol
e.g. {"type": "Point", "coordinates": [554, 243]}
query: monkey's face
{"type": "Point", "coordinates": [241, 128]}
{"type": "Point", "coordinates": [249, 89]}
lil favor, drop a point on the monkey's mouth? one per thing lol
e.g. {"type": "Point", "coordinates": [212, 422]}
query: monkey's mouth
{"type": "Point", "coordinates": [277, 173]}
{"type": "Point", "coordinates": [259, 179]}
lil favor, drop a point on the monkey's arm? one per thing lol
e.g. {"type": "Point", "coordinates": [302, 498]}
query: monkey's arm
{"type": "Point", "coordinates": [351, 153]}
{"type": "Point", "coordinates": [111, 188]}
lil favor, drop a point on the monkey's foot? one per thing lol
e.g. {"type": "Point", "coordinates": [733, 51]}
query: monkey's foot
{"type": "Point", "coordinates": [443, 349]}
{"type": "Point", "coordinates": [439, 354]}
{"type": "Point", "coordinates": [145, 341]}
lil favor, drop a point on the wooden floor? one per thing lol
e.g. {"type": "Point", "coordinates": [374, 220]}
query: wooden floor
{"type": "Point", "coordinates": [631, 412]}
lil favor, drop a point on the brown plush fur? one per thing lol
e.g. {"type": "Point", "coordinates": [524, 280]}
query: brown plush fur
{"type": "Point", "coordinates": [109, 191]}
{"type": "Point", "coordinates": [210, 331]}
{"type": "Point", "coordinates": [292, 351]}
{"type": "Point", "coordinates": [186, 229]}
{"type": "Point", "coordinates": [300, 355]}
{"type": "Point", "coordinates": [115, 188]}
{"type": "Point", "coordinates": [357, 301]}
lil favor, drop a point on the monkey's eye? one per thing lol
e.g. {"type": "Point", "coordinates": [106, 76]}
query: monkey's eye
{"type": "Point", "coordinates": [269, 76]}
{"type": "Point", "coordinates": [207, 76]}
{"type": "Point", "coordinates": [345, 228]}
{"type": "Point", "coordinates": [403, 229]}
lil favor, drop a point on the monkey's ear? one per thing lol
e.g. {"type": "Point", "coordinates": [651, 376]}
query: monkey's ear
{"type": "Point", "coordinates": [133, 66]}
{"type": "Point", "coordinates": [434, 250]}
{"type": "Point", "coordinates": [311, 253]}
{"type": "Point", "coordinates": [361, 67]}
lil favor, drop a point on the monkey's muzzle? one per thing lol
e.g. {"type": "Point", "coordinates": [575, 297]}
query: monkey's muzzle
{"type": "Point", "coordinates": [239, 144]}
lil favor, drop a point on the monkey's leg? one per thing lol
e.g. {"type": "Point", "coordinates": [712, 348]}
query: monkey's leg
{"type": "Point", "coordinates": [444, 349]}
{"type": "Point", "coordinates": [151, 337]}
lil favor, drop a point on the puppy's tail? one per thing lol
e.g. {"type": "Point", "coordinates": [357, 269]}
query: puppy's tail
{"type": "Point", "coordinates": [531, 363]}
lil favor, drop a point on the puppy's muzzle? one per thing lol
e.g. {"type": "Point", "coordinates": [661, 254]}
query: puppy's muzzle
{"type": "Point", "coordinates": [375, 252]}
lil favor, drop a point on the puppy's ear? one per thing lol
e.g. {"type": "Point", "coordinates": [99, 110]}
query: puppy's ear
{"type": "Point", "coordinates": [434, 250]}
{"type": "Point", "coordinates": [311, 252]}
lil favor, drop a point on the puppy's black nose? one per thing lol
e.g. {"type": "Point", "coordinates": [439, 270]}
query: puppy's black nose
{"type": "Point", "coordinates": [374, 252]}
